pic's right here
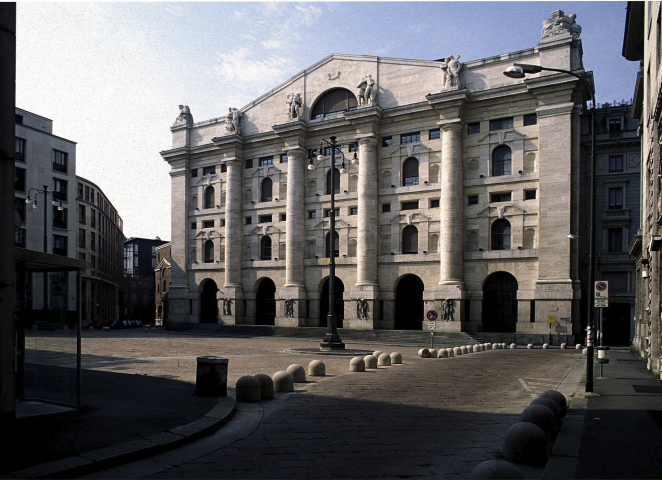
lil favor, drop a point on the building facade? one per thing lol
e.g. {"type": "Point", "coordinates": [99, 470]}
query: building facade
{"type": "Point", "coordinates": [139, 288]}
{"type": "Point", "coordinates": [45, 193]}
{"type": "Point", "coordinates": [162, 279]}
{"type": "Point", "coordinates": [464, 189]}
{"type": "Point", "coordinates": [641, 43]}
{"type": "Point", "coordinates": [100, 242]}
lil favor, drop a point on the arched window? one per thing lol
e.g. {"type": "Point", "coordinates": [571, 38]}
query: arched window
{"type": "Point", "coordinates": [336, 181]}
{"type": "Point", "coordinates": [334, 102]}
{"type": "Point", "coordinates": [501, 161]}
{"type": "Point", "coordinates": [410, 239]}
{"type": "Point", "coordinates": [265, 248]}
{"type": "Point", "coordinates": [209, 197]}
{"type": "Point", "coordinates": [267, 187]}
{"type": "Point", "coordinates": [209, 251]}
{"type": "Point", "coordinates": [336, 245]}
{"type": "Point", "coordinates": [501, 235]}
{"type": "Point", "coordinates": [410, 172]}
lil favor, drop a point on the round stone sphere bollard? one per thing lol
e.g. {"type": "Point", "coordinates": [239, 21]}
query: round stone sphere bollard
{"type": "Point", "coordinates": [540, 415]}
{"type": "Point", "coordinates": [559, 398]}
{"type": "Point", "coordinates": [370, 361]}
{"type": "Point", "coordinates": [476, 348]}
{"type": "Point", "coordinates": [551, 404]}
{"type": "Point", "coordinates": [564, 346]}
{"type": "Point", "coordinates": [377, 353]}
{"type": "Point", "coordinates": [513, 346]}
{"type": "Point", "coordinates": [530, 346]}
{"type": "Point", "coordinates": [495, 469]}
{"type": "Point", "coordinates": [457, 351]}
{"type": "Point", "coordinates": [525, 443]}
{"type": "Point", "coordinates": [424, 353]}
{"type": "Point", "coordinates": [495, 346]}
{"type": "Point", "coordinates": [396, 358]}
{"type": "Point", "coordinates": [384, 360]}
{"type": "Point", "coordinates": [488, 346]}
{"type": "Point", "coordinates": [316, 368]}
{"type": "Point", "coordinates": [248, 389]}
{"type": "Point", "coordinates": [503, 345]}
{"type": "Point", "coordinates": [357, 364]}
{"type": "Point", "coordinates": [283, 382]}
{"type": "Point", "coordinates": [433, 353]}
{"type": "Point", "coordinates": [585, 351]}
{"type": "Point", "coordinates": [266, 386]}
{"type": "Point", "coordinates": [297, 372]}
{"type": "Point", "coordinates": [483, 347]}
{"type": "Point", "coordinates": [545, 346]}
{"type": "Point", "coordinates": [443, 353]}
{"type": "Point", "coordinates": [451, 352]}
{"type": "Point", "coordinates": [578, 346]}
{"type": "Point", "coordinates": [465, 350]}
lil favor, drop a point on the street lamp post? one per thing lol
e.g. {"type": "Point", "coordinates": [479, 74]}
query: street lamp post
{"type": "Point", "coordinates": [519, 70]}
{"type": "Point", "coordinates": [331, 340]}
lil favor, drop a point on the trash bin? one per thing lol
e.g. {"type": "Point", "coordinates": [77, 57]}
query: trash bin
{"type": "Point", "coordinates": [603, 354]}
{"type": "Point", "coordinates": [212, 377]}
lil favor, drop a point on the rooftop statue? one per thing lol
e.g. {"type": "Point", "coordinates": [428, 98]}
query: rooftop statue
{"type": "Point", "coordinates": [294, 103]}
{"type": "Point", "coordinates": [450, 68]}
{"type": "Point", "coordinates": [232, 121]}
{"type": "Point", "coordinates": [559, 23]}
{"type": "Point", "coordinates": [184, 115]}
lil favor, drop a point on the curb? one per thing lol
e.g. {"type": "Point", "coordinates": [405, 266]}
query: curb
{"type": "Point", "coordinates": [107, 457]}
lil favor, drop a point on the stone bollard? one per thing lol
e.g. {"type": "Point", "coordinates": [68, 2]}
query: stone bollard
{"type": "Point", "coordinates": [433, 353]}
{"type": "Point", "coordinates": [503, 345]}
{"type": "Point", "coordinates": [377, 353]}
{"type": "Point", "coordinates": [551, 404]}
{"type": "Point", "coordinates": [451, 352]}
{"type": "Point", "coordinates": [105, 329]}
{"type": "Point", "coordinates": [578, 346]}
{"type": "Point", "coordinates": [540, 415]}
{"type": "Point", "coordinates": [513, 346]}
{"type": "Point", "coordinates": [266, 386]}
{"type": "Point", "coordinates": [559, 398]}
{"type": "Point", "coordinates": [424, 353]}
{"type": "Point", "coordinates": [495, 346]}
{"type": "Point", "coordinates": [443, 353]}
{"type": "Point", "coordinates": [495, 469]}
{"type": "Point", "coordinates": [316, 368]}
{"type": "Point", "coordinates": [529, 346]}
{"type": "Point", "coordinates": [357, 364]}
{"type": "Point", "coordinates": [396, 358]}
{"type": "Point", "coordinates": [297, 372]}
{"type": "Point", "coordinates": [370, 361]}
{"type": "Point", "coordinates": [525, 443]}
{"type": "Point", "coordinates": [483, 347]}
{"type": "Point", "coordinates": [476, 348]}
{"type": "Point", "coordinates": [248, 389]}
{"type": "Point", "coordinates": [563, 346]}
{"type": "Point", "coordinates": [457, 351]}
{"type": "Point", "coordinates": [585, 351]}
{"type": "Point", "coordinates": [384, 360]}
{"type": "Point", "coordinates": [470, 348]}
{"type": "Point", "coordinates": [283, 382]}
{"type": "Point", "coordinates": [465, 350]}
{"type": "Point", "coordinates": [488, 346]}
{"type": "Point", "coordinates": [545, 346]}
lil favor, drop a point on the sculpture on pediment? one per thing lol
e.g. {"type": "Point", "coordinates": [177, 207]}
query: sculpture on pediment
{"type": "Point", "coordinates": [450, 67]}
{"type": "Point", "coordinates": [559, 23]}
{"type": "Point", "coordinates": [360, 94]}
{"type": "Point", "coordinates": [370, 91]}
{"type": "Point", "coordinates": [294, 103]}
{"type": "Point", "coordinates": [232, 121]}
{"type": "Point", "coordinates": [184, 115]}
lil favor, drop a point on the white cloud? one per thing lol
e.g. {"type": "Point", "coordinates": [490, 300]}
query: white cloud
{"type": "Point", "coordinates": [308, 14]}
{"type": "Point", "coordinates": [274, 44]}
{"type": "Point", "coordinates": [177, 10]}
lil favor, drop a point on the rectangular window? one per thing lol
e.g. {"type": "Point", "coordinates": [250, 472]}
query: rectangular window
{"type": "Point", "coordinates": [93, 243]}
{"type": "Point", "coordinates": [283, 158]}
{"type": "Point", "coordinates": [92, 195]}
{"type": "Point", "coordinates": [60, 245]}
{"type": "Point", "coordinates": [353, 147]}
{"type": "Point", "coordinates": [19, 179]}
{"type": "Point", "coordinates": [19, 238]}
{"type": "Point", "coordinates": [60, 188]}
{"type": "Point", "coordinates": [327, 212]}
{"type": "Point", "coordinates": [224, 167]}
{"type": "Point", "coordinates": [353, 210]}
{"type": "Point", "coordinates": [615, 240]}
{"type": "Point", "coordinates": [473, 128]}
{"type": "Point", "coordinates": [209, 170]}
{"type": "Point", "coordinates": [248, 220]}
{"type": "Point", "coordinates": [80, 191]}
{"type": "Point", "coordinates": [81, 214]}
{"type": "Point", "coordinates": [222, 222]}
{"type": "Point", "coordinates": [60, 161]}
{"type": "Point", "coordinates": [410, 138]}
{"type": "Point", "coordinates": [193, 225]}
{"type": "Point", "coordinates": [311, 213]}
{"type": "Point", "coordinates": [501, 124]}
{"type": "Point", "coordinates": [434, 203]}
{"type": "Point", "coordinates": [614, 124]}
{"type": "Point", "coordinates": [387, 141]}
{"type": "Point", "coordinates": [409, 205]}
{"type": "Point", "coordinates": [435, 134]}
{"type": "Point", "coordinates": [530, 119]}
{"type": "Point", "coordinates": [386, 207]}
{"type": "Point", "coordinates": [87, 193]}
{"type": "Point", "coordinates": [59, 217]}
{"type": "Point", "coordinates": [194, 172]}
{"type": "Point", "coordinates": [81, 256]}
{"type": "Point", "coordinates": [615, 163]}
{"type": "Point", "coordinates": [500, 197]}
{"type": "Point", "coordinates": [81, 238]}
{"type": "Point", "coordinates": [19, 118]}
{"type": "Point", "coordinates": [265, 219]}
{"type": "Point", "coordinates": [283, 217]}
{"type": "Point", "coordinates": [616, 198]}
{"type": "Point", "coordinates": [208, 224]}
{"type": "Point", "coordinates": [472, 200]}
{"type": "Point", "coordinates": [248, 163]}
{"type": "Point", "coordinates": [93, 263]}
{"type": "Point", "coordinates": [530, 194]}
{"type": "Point", "coordinates": [19, 151]}
{"type": "Point", "coordinates": [93, 216]}
{"type": "Point", "coordinates": [266, 161]}
{"type": "Point", "coordinates": [19, 206]}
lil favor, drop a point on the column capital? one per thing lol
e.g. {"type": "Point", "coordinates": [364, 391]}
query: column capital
{"type": "Point", "coordinates": [370, 139]}
{"type": "Point", "coordinates": [295, 150]}
{"type": "Point", "coordinates": [454, 124]}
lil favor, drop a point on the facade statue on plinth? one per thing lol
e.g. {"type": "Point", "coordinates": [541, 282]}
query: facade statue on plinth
{"type": "Point", "coordinates": [289, 308]}
{"type": "Point", "coordinates": [447, 309]}
{"type": "Point", "coordinates": [184, 116]}
{"type": "Point", "coordinates": [360, 94]}
{"type": "Point", "coordinates": [559, 23]}
{"type": "Point", "coordinates": [450, 68]}
{"type": "Point", "coordinates": [294, 103]}
{"type": "Point", "coordinates": [367, 93]}
{"type": "Point", "coordinates": [232, 121]}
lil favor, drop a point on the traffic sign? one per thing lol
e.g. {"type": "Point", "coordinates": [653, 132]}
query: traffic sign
{"type": "Point", "coordinates": [601, 289]}
{"type": "Point", "coordinates": [601, 303]}
{"type": "Point", "coordinates": [432, 315]}
{"type": "Point", "coordinates": [432, 326]}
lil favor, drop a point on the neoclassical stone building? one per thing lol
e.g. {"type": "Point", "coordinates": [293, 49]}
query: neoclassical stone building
{"type": "Point", "coordinates": [465, 186]}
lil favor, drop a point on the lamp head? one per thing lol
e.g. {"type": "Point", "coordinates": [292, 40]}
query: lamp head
{"type": "Point", "coordinates": [519, 70]}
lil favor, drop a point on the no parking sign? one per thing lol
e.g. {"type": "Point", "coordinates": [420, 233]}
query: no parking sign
{"type": "Point", "coordinates": [432, 315]}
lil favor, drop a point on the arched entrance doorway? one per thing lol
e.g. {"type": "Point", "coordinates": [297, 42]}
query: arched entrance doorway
{"type": "Point", "coordinates": [500, 303]}
{"type": "Point", "coordinates": [338, 306]}
{"type": "Point", "coordinates": [265, 302]}
{"type": "Point", "coordinates": [208, 302]}
{"type": "Point", "coordinates": [409, 303]}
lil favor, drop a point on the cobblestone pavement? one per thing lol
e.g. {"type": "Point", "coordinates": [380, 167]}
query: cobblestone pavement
{"type": "Point", "coordinates": [427, 417]}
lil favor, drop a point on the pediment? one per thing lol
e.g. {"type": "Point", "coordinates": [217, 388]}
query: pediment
{"type": "Point", "coordinates": [209, 233]}
{"type": "Point", "coordinates": [502, 136]}
{"type": "Point", "coordinates": [340, 223]}
{"type": "Point", "coordinates": [208, 179]}
{"type": "Point", "coordinates": [500, 211]}
{"type": "Point", "coordinates": [262, 172]}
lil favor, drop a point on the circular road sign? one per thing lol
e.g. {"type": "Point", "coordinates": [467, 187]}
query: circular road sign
{"type": "Point", "coordinates": [601, 286]}
{"type": "Point", "coordinates": [432, 315]}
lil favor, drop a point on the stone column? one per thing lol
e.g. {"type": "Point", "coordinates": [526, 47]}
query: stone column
{"type": "Point", "coordinates": [366, 290]}
{"type": "Point", "coordinates": [232, 289]}
{"type": "Point", "coordinates": [293, 313]}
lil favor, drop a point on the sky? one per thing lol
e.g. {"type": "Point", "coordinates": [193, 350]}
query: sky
{"type": "Point", "coordinates": [112, 75]}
